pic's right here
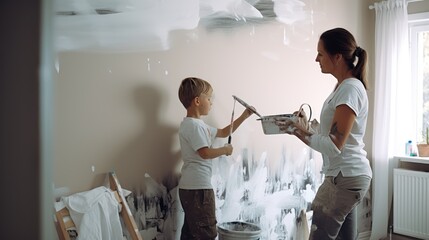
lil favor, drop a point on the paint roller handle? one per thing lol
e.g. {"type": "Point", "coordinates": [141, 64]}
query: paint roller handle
{"type": "Point", "coordinates": [231, 124]}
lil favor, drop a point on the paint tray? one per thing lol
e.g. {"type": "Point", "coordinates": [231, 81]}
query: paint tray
{"type": "Point", "coordinates": [268, 122]}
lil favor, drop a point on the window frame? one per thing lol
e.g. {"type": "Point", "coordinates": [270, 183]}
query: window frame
{"type": "Point", "coordinates": [417, 23]}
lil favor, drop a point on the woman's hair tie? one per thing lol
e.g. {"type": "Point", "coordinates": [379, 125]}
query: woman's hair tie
{"type": "Point", "coordinates": [358, 51]}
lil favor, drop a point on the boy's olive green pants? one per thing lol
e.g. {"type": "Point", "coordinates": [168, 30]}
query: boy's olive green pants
{"type": "Point", "coordinates": [200, 214]}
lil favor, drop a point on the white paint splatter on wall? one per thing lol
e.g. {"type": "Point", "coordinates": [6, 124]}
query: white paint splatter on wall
{"type": "Point", "coordinates": [246, 189]}
{"type": "Point", "coordinates": [144, 25]}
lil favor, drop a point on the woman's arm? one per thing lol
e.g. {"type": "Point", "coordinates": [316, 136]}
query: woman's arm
{"type": "Point", "coordinates": [341, 126]}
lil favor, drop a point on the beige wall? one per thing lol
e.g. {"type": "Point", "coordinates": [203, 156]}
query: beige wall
{"type": "Point", "coordinates": [120, 111]}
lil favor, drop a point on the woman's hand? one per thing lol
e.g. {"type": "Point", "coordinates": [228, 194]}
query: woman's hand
{"type": "Point", "coordinates": [287, 125]}
{"type": "Point", "coordinates": [302, 119]}
{"type": "Point", "coordinates": [290, 125]}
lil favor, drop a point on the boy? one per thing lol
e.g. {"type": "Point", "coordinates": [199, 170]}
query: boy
{"type": "Point", "coordinates": [196, 137]}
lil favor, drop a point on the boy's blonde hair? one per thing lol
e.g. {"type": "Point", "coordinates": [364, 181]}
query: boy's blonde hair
{"type": "Point", "coordinates": [190, 88]}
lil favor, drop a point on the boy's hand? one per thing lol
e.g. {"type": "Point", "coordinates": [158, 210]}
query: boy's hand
{"type": "Point", "coordinates": [228, 149]}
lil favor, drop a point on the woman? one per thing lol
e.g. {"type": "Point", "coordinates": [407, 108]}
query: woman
{"type": "Point", "coordinates": [339, 137]}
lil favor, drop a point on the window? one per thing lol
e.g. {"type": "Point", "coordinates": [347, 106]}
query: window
{"type": "Point", "coordinates": [419, 48]}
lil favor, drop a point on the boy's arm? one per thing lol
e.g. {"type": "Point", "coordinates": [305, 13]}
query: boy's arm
{"type": "Point", "coordinates": [210, 153]}
{"type": "Point", "coordinates": [224, 132]}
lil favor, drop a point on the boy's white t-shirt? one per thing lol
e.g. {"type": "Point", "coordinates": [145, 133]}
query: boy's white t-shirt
{"type": "Point", "coordinates": [194, 134]}
{"type": "Point", "coordinates": [352, 161]}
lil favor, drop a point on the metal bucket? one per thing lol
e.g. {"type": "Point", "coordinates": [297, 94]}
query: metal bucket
{"type": "Point", "coordinates": [238, 231]}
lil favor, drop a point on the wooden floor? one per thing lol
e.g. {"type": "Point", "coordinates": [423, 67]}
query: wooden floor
{"type": "Point", "coordinates": [400, 237]}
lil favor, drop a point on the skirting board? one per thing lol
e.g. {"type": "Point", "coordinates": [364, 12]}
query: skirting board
{"type": "Point", "coordinates": [364, 235]}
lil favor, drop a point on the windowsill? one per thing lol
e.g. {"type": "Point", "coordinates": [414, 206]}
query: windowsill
{"type": "Point", "coordinates": [424, 160]}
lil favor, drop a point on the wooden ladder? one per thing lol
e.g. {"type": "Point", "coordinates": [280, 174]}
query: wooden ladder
{"type": "Point", "coordinates": [64, 221]}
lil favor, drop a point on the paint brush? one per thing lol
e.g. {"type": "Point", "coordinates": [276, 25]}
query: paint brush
{"type": "Point", "coordinates": [232, 123]}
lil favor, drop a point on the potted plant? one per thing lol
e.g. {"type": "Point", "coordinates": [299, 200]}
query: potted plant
{"type": "Point", "coordinates": [423, 148]}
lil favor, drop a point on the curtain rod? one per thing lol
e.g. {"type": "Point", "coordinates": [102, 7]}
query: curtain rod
{"type": "Point", "coordinates": [408, 1]}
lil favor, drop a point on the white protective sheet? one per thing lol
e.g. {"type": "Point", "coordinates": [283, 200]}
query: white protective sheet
{"type": "Point", "coordinates": [95, 214]}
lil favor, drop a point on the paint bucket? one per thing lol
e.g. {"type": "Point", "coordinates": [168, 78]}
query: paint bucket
{"type": "Point", "coordinates": [238, 231]}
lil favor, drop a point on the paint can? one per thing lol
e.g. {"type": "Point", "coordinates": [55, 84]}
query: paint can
{"type": "Point", "coordinates": [238, 231]}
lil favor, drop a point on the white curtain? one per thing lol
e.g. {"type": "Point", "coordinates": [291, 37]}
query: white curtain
{"type": "Point", "coordinates": [393, 105]}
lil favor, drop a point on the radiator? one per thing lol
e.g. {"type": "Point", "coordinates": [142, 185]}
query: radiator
{"type": "Point", "coordinates": [411, 203]}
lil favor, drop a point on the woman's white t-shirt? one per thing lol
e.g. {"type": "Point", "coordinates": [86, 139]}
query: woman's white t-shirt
{"type": "Point", "coordinates": [352, 160]}
{"type": "Point", "coordinates": [194, 134]}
